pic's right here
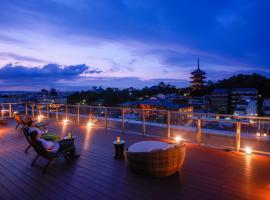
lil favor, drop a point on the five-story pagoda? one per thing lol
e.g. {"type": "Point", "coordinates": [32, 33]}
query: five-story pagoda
{"type": "Point", "coordinates": [197, 78]}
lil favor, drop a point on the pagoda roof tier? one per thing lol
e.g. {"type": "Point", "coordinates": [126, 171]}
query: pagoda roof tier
{"type": "Point", "coordinates": [198, 72]}
{"type": "Point", "coordinates": [199, 82]}
{"type": "Point", "coordinates": [198, 77]}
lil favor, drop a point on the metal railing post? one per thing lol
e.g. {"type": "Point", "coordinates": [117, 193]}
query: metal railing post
{"type": "Point", "coordinates": [143, 121]}
{"type": "Point", "coordinates": [106, 117]}
{"type": "Point", "coordinates": [66, 110]}
{"type": "Point", "coordinates": [56, 113]}
{"type": "Point", "coordinates": [90, 114]}
{"type": "Point", "coordinates": [39, 109]}
{"type": "Point", "coordinates": [47, 109]}
{"type": "Point", "coordinates": [33, 110]}
{"type": "Point", "coordinates": [78, 114]}
{"type": "Point", "coordinates": [238, 136]}
{"type": "Point", "coordinates": [169, 124]}
{"type": "Point", "coordinates": [123, 120]}
{"type": "Point", "coordinates": [199, 131]}
{"type": "Point", "coordinates": [26, 108]}
{"type": "Point", "coordinates": [10, 111]}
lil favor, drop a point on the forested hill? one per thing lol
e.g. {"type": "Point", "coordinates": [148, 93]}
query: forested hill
{"type": "Point", "coordinates": [245, 81]}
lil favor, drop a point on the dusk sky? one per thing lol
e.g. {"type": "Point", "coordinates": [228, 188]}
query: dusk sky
{"type": "Point", "coordinates": [77, 44]}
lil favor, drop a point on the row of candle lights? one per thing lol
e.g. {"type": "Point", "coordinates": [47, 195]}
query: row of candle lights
{"type": "Point", "coordinates": [177, 139]}
{"type": "Point", "coordinates": [248, 150]}
{"type": "Point", "coordinates": [261, 134]}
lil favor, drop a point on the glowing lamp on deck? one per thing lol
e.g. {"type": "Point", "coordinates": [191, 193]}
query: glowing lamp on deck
{"type": "Point", "coordinates": [90, 124]}
{"type": "Point", "coordinates": [65, 121]}
{"type": "Point", "coordinates": [178, 139]}
{"type": "Point", "coordinates": [248, 150]}
{"type": "Point", "coordinates": [40, 117]}
{"type": "Point", "coordinates": [258, 134]}
{"type": "Point", "coordinates": [264, 134]}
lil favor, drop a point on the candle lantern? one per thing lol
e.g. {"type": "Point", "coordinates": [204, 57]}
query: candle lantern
{"type": "Point", "coordinates": [118, 139]}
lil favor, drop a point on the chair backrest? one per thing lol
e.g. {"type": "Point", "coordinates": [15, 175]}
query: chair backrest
{"type": "Point", "coordinates": [27, 135]}
{"type": "Point", "coordinates": [39, 149]}
{"type": "Point", "coordinates": [18, 118]}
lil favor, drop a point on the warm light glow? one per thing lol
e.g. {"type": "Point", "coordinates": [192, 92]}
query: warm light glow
{"type": "Point", "coordinates": [40, 117]}
{"type": "Point", "coordinates": [90, 124]}
{"type": "Point", "coordinates": [118, 140]}
{"type": "Point", "coordinates": [248, 150]}
{"type": "Point", "coordinates": [178, 138]}
{"type": "Point", "coordinates": [65, 121]}
{"type": "Point", "coordinates": [258, 134]}
{"type": "Point", "coordinates": [264, 134]}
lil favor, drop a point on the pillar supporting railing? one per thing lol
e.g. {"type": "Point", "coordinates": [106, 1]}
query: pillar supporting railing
{"type": "Point", "coordinates": [106, 117]}
{"type": "Point", "coordinates": [26, 108]}
{"type": "Point", "coordinates": [78, 113]}
{"type": "Point", "coordinates": [10, 110]}
{"type": "Point", "coordinates": [143, 121]}
{"type": "Point", "coordinates": [56, 113]}
{"type": "Point", "coordinates": [33, 110]}
{"type": "Point", "coordinates": [238, 135]}
{"type": "Point", "coordinates": [123, 120]}
{"type": "Point", "coordinates": [168, 124]}
{"type": "Point", "coordinates": [47, 110]}
{"type": "Point", "coordinates": [66, 111]}
{"type": "Point", "coordinates": [199, 131]}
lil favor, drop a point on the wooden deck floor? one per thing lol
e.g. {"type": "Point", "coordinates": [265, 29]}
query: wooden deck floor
{"type": "Point", "coordinates": [207, 173]}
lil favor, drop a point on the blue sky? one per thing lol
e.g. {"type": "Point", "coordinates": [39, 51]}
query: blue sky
{"type": "Point", "coordinates": [76, 44]}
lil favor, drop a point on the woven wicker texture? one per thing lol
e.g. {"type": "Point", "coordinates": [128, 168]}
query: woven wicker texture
{"type": "Point", "coordinates": [157, 163]}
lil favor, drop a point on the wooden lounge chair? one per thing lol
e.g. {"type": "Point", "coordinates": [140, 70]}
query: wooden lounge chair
{"type": "Point", "coordinates": [41, 151]}
{"type": "Point", "coordinates": [27, 136]}
{"type": "Point", "coordinates": [20, 121]}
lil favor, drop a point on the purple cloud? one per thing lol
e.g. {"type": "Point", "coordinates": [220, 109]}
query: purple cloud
{"type": "Point", "coordinates": [49, 72]}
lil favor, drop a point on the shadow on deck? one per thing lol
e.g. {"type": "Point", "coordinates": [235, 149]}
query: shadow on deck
{"type": "Point", "coordinates": [207, 173]}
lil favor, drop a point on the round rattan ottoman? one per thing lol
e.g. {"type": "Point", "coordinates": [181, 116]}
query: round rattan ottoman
{"type": "Point", "coordinates": [159, 160]}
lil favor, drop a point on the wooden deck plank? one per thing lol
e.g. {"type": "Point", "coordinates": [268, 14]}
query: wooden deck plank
{"type": "Point", "coordinates": [207, 173]}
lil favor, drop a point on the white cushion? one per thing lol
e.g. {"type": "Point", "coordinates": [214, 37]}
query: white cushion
{"type": "Point", "coordinates": [148, 146]}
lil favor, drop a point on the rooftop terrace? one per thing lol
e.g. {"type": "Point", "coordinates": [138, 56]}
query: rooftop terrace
{"type": "Point", "coordinates": [207, 173]}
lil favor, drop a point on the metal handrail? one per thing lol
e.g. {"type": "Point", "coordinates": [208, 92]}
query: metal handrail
{"type": "Point", "coordinates": [167, 114]}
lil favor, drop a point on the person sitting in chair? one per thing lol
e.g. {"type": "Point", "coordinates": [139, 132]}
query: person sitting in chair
{"type": "Point", "coordinates": [39, 124]}
{"type": "Point", "coordinates": [54, 147]}
{"type": "Point", "coordinates": [43, 133]}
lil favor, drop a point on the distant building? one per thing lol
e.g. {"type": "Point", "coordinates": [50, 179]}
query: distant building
{"type": "Point", "coordinates": [266, 107]}
{"type": "Point", "coordinates": [160, 101]}
{"type": "Point", "coordinates": [241, 97]}
{"type": "Point", "coordinates": [246, 107]}
{"type": "Point", "coordinates": [197, 78]}
{"type": "Point", "coordinates": [220, 101]}
{"type": "Point", "coordinates": [200, 104]}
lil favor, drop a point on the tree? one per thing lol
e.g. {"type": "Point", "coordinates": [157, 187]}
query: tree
{"type": "Point", "coordinates": [44, 92]}
{"type": "Point", "coordinates": [53, 92]}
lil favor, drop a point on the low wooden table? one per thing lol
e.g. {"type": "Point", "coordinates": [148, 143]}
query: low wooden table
{"type": "Point", "coordinates": [119, 149]}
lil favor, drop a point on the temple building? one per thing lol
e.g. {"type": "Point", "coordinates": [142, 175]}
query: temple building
{"type": "Point", "coordinates": [197, 78]}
